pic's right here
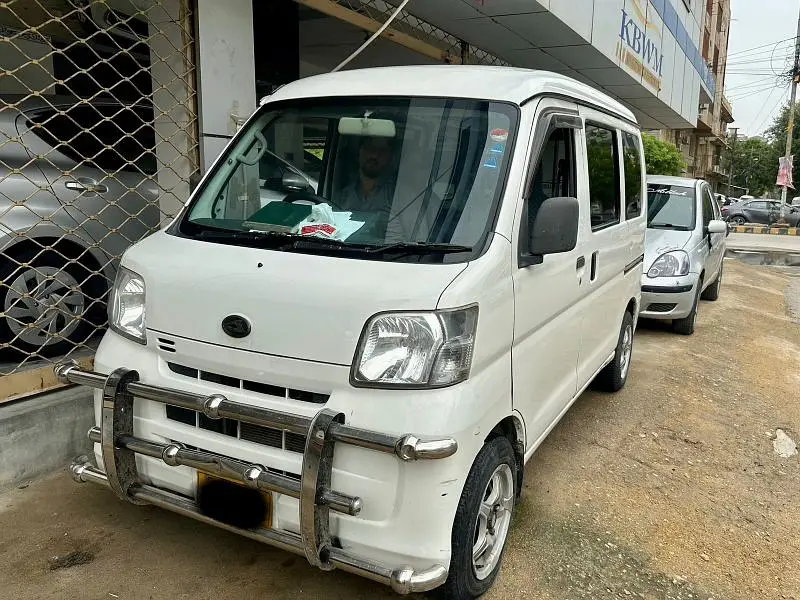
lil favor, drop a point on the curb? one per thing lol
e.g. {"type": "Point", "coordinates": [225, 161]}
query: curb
{"type": "Point", "coordinates": [765, 229]}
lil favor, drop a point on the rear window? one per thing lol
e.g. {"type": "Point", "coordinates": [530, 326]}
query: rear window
{"type": "Point", "coordinates": [670, 207]}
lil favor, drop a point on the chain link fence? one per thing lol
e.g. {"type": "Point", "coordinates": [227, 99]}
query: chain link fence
{"type": "Point", "coordinates": [98, 142]}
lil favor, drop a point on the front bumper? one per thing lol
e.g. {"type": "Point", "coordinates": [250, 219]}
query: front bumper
{"type": "Point", "coordinates": [316, 497]}
{"type": "Point", "coordinates": [668, 297]}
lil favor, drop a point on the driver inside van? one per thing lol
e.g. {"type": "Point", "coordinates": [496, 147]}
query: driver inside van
{"type": "Point", "coordinates": [372, 189]}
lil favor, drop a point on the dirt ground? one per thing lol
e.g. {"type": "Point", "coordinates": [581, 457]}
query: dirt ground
{"type": "Point", "coordinates": [670, 489]}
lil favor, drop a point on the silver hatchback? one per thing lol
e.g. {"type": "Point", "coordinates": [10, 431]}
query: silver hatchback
{"type": "Point", "coordinates": [684, 250]}
{"type": "Point", "coordinates": [77, 187]}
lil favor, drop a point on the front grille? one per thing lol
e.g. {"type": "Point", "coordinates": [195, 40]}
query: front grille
{"type": "Point", "coordinates": [251, 386]}
{"type": "Point", "coordinates": [266, 436]}
{"type": "Point", "coordinates": [661, 307]}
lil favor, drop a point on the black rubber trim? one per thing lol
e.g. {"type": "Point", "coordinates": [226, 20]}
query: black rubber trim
{"type": "Point", "coordinates": [632, 265]}
{"type": "Point", "coordinates": [678, 289]}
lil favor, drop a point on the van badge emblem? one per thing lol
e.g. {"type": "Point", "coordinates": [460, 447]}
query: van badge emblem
{"type": "Point", "coordinates": [236, 326]}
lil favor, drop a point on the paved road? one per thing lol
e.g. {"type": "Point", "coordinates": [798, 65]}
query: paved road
{"type": "Point", "coordinates": [669, 490]}
{"type": "Point", "coordinates": [759, 241]}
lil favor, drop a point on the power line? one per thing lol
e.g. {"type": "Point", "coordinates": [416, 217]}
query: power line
{"type": "Point", "coordinates": [745, 51]}
{"type": "Point", "coordinates": [763, 106]}
{"type": "Point", "coordinates": [753, 93]}
{"type": "Point", "coordinates": [752, 84]}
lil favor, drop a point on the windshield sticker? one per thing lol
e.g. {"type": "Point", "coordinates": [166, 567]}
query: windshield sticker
{"type": "Point", "coordinates": [491, 162]}
{"type": "Point", "coordinates": [498, 148]}
{"type": "Point", "coordinates": [499, 135]}
{"type": "Point", "coordinates": [669, 191]}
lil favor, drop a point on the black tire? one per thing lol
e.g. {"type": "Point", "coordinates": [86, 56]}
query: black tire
{"type": "Point", "coordinates": [462, 582]}
{"type": "Point", "coordinates": [91, 286]}
{"type": "Point", "coordinates": [711, 293]}
{"type": "Point", "coordinates": [685, 326]}
{"type": "Point", "coordinates": [738, 220]}
{"type": "Point", "coordinates": [613, 377]}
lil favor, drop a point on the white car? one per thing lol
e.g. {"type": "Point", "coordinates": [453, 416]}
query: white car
{"type": "Point", "coordinates": [684, 250]}
{"type": "Point", "coordinates": [362, 381]}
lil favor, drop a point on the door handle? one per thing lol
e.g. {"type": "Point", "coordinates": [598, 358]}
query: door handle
{"type": "Point", "coordinates": [593, 274]}
{"type": "Point", "coordinates": [77, 186]}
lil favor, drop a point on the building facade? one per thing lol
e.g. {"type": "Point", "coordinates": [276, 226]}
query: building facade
{"type": "Point", "coordinates": [703, 145]}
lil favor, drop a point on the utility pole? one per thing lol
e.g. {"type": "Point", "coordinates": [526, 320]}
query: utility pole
{"type": "Point", "coordinates": [790, 128]}
{"type": "Point", "coordinates": [735, 131]}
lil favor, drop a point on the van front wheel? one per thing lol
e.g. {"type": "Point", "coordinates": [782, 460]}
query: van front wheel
{"type": "Point", "coordinates": [613, 377]}
{"type": "Point", "coordinates": [482, 521]}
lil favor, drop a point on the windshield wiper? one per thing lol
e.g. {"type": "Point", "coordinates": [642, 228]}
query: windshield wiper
{"type": "Point", "coordinates": [669, 226]}
{"type": "Point", "coordinates": [290, 241]}
{"type": "Point", "coordinates": [419, 248]}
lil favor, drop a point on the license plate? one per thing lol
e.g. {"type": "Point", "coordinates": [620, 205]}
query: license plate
{"type": "Point", "coordinates": [233, 503]}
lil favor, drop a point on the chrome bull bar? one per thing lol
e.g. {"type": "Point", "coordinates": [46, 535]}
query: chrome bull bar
{"type": "Point", "coordinates": [314, 492]}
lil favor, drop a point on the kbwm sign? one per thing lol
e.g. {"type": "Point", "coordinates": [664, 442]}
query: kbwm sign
{"type": "Point", "coordinates": [639, 47]}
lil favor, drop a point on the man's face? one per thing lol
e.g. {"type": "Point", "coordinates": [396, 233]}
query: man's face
{"type": "Point", "coordinates": [374, 156]}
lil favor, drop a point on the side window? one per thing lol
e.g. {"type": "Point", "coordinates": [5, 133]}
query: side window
{"type": "Point", "coordinates": [601, 151]}
{"type": "Point", "coordinates": [633, 175]}
{"type": "Point", "coordinates": [555, 173]}
{"type": "Point", "coordinates": [708, 208]}
{"type": "Point", "coordinates": [106, 137]}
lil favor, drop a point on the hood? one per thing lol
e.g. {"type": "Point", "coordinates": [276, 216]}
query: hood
{"type": "Point", "coordinates": [659, 241]}
{"type": "Point", "coordinates": [303, 306]}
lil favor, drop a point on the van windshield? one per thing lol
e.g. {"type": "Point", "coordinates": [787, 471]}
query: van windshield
{"type": "Point", "coordinates": [670, 207]}
{"type": "Point", "coordinates": [376, 178]}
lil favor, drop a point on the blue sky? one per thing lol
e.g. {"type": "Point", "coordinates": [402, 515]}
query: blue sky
{"type": "Point", "coordinates": [759, 47]}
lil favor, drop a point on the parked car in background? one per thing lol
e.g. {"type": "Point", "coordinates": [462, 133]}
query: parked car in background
{"type": "Point", "coordinates": [65, 219]}
{"type": "Point", "coordinates": [763, 212]}
{"type": "Point", "coordinates": [684, 250]}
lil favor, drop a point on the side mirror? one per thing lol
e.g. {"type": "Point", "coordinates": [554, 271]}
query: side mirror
{"type": "Point", "coordinates": [554, 231]}
{"type": "Point", "coordinates": [292, 182]}
{"type": "Point", "coordinates": [717, 226]}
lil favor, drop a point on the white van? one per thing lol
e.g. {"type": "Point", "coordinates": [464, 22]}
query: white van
{"type": "Point", "coordinates": [358, 373]}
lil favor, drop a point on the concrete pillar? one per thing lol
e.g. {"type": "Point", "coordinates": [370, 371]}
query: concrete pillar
{"type": "Point", "coordinates": [174, 106]}
{"type": "Point", "coordinates": [226, 71]}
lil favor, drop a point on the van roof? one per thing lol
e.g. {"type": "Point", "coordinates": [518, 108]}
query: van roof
{"type": "Point", "coordinates": [509, 84]}
{"type": "Point", "coordinates": [670, 180]}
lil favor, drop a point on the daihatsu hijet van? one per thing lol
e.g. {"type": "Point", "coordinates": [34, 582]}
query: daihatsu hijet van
{"type": "Point", "coordinates": [359, 371]}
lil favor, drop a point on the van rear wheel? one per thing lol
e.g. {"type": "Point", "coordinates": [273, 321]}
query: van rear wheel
{"type": "Point", "coordinates": [613, 377]}
{"type": "Point", "coordinates": [482, 522]}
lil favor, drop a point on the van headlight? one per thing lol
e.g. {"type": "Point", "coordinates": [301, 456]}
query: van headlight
{"type": "Point", "coordinates": [126, 306]}
{"type": "Point", "coordinates": [670, 264]}
{"type": "Point", "coordinates": [416, 349]}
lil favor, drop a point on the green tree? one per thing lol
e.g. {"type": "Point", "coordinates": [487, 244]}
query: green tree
{"type": "Point", "coordinates": [662, 158]}
{"type": "Point", "coordinates": [754, 163]}
{"type": "Point", "coordinates": [776, 136]}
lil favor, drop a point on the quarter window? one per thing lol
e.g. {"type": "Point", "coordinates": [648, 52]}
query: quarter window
{"type": "Point", "coordinates": [601, 150]}
{"type": "Point", "coordinates": [708, 209]}
{"type": "Point", "coordinates": [633, 175]}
